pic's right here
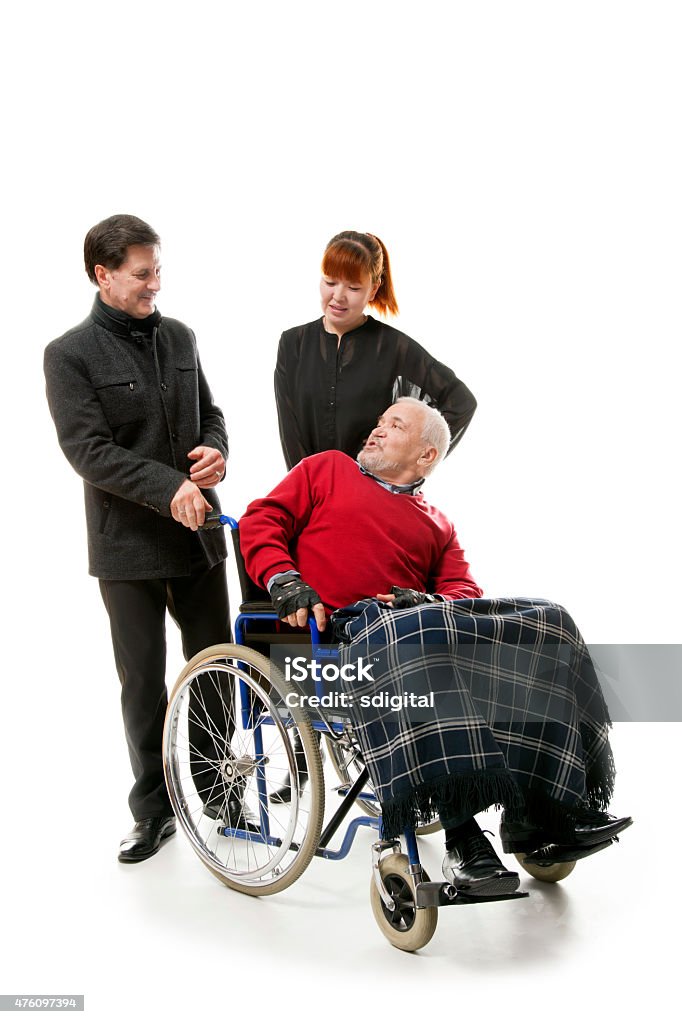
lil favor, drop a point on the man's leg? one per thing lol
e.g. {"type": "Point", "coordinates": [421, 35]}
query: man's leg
{"type": "Point", "coordinates": [137, 611]}
{"type": "Point", "coordinates": [199, 605]}
{"type": "Point", "coordinates": [470, 862]}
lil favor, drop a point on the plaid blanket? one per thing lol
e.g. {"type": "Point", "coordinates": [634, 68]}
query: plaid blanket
{"type": "Point", "coordinates": [476, 702]}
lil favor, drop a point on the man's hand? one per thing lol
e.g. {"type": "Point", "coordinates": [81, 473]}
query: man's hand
{"type": "Point", "coordinates": [402, 597]}
{"type": "Point", "coordinates": [189, 506]}
{"type": "Point", "coordinates": [292, 598]}
{"type": "Point", "coordinates": [209, 468]}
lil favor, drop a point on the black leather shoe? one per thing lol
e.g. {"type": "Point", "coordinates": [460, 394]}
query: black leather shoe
{"type": "Point", "coordinates": [145, 839]}
{"type": "Point", "coordinates": [282, 795]}
{"type": "Point", "coordinates": [474, 868]}
{"type": "Point", "coordinates": [232, 813]}
{"type": "Point", "coordinates": [591, 828]}
{"type": "Point", "coordinates": [555, 853]}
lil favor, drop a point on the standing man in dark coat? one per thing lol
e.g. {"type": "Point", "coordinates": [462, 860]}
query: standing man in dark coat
{"type": "Point", "coordinates": [136, 419]}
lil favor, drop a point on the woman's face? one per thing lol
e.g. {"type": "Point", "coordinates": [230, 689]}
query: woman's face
{"type": "Point", "coordinates": [343, 302]}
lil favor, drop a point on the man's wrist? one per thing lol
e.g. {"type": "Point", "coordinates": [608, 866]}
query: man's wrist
{"type": "Point", "coordinates": [281, 577]}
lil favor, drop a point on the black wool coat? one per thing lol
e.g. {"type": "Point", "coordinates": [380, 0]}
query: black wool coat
{"type": "Point", "coordinates": [128, 408]}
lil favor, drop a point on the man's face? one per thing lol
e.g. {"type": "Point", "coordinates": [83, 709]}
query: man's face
{"type": "Point", "coordinates": [395, 444]}
{"type": "Point", "coordinates": [133, 287]}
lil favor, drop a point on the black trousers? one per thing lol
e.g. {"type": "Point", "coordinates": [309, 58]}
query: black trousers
{"type": "Point", "coordinates": [137, 614]}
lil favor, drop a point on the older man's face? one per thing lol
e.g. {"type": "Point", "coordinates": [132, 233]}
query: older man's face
{"type": "Point", "coordinates": [395, 444]}
{"type": "Point", "coordinates": [134, 286]}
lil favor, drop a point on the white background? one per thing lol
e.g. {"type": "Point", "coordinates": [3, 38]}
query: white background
{"type": "Point", "coordinates": [522, 163]}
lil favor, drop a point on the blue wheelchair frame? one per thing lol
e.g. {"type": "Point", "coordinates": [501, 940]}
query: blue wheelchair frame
{"type": "Point", "coordinates": [350, 793]}
{"type": "Point", "coordinates": [427, 893]}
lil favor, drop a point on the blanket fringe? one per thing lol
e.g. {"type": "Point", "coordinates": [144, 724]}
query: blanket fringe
{"type": "Point", "coordinates": [600, 769]}
{"type": "Point", "coordinates": [468, 793]}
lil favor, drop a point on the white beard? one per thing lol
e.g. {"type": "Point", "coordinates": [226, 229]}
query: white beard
{"type": "Point", "coordinates": [377, 463]}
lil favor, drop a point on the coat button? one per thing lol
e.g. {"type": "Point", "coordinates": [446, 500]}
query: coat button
{"type": "Point", "coordinates": [163, 387]}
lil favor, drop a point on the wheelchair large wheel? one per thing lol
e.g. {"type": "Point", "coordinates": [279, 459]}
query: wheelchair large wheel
{"type": "Point", "coordinates": [546, 872]}
{"type": "Point", "coordinates": [346, 756]}
{"type": "Point", "coordinates": [406, 927]}
{"type": "Point", "coordinates": [228, 743]}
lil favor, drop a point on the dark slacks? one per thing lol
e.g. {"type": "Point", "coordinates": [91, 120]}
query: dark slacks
{"type": "Point", "coordinates": [137, 614]}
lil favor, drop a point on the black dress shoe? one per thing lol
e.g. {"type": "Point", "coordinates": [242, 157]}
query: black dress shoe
{"type": "Point", "coordinates": [474, 868]}
{"type": "Point", "coordinates": [592, 828]}
{"type": "Point", "coordinates": [145, 839]}
{"type": "Point", "coordinates": [555, 853]}
{"type": "Point", "coordinates": [282, 795]}
{"type": "Point", "coordinates": [232, 813]}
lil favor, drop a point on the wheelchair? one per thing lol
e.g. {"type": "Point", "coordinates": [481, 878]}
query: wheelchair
{"type": "Point", "coordinates": [235, 729]}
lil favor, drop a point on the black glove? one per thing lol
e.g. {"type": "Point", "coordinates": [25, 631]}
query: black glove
{"type": "Point", "coordinates": [405, 598]}
{"type": "Point", "coordinates": [290, 594]}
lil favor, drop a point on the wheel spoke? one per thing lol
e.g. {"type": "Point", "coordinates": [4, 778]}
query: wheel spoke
{"type": "Point", "coordinates": [210, 755]}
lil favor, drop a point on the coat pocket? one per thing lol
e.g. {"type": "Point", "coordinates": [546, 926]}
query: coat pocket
{"type": "Point", "coordinates": [187, 377]}
{"type": "Point", "coordinates": [104, 514]}
{"type": "Point", "coordinates": [121, 399]}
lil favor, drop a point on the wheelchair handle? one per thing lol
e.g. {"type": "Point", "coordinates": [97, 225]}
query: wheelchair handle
{"type": "Point", "coordinates": [214, 520]}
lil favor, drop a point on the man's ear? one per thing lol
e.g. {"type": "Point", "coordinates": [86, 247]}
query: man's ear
{"type": "Point", "coordinates": [102, 275]}
{"type": "Point", "coordinates": [427, 458]}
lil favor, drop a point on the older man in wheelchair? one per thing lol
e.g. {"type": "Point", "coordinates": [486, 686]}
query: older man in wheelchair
{"type": "Point", "coordinates": [515, 715]}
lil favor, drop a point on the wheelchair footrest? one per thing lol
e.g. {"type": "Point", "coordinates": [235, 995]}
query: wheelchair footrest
{"type": "Point", "coordinates": [444, 894]}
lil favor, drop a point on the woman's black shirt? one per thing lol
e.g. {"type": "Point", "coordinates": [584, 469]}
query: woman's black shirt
{"type": "Point", "coordinates": [330, 395]}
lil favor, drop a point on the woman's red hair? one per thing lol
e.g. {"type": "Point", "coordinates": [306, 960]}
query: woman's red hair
{"type": "Point", "coordinates": [352, 256]}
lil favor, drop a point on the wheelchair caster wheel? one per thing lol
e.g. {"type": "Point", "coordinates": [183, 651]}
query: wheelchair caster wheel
{"type": "Point", "coordinates": [546, 873]}
{"type": "Point", "coordinates": [405, 927]}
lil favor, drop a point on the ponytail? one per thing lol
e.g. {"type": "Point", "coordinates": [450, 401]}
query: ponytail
{"type": "Point", "coordinates": [384, 301]}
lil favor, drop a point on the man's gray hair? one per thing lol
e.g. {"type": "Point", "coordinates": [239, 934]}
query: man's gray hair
{"type": "Point", "coordinates": [435, 430]}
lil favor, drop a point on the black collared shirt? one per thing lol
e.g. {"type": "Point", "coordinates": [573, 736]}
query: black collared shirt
{"type": "Point", "coordinates": [330, 395]}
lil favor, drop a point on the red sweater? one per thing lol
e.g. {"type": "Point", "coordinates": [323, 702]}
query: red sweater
{"type": "Point", "coordinates": [351, 538]}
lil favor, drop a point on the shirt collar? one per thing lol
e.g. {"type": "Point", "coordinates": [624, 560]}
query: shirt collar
{"type": "Point", "coordinates": [412, 488]}
{"type": "Point", "coordinates": [330, 334]}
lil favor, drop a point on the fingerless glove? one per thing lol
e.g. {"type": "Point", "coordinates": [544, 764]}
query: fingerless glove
{"type": "Point", "coordinates": [288, 595]}
{"type": "Point", "coordinates": [405, 598]}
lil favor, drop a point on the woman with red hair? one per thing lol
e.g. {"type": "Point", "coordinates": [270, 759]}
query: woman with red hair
{"type": "Point", "coordinates": [336, 375]}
